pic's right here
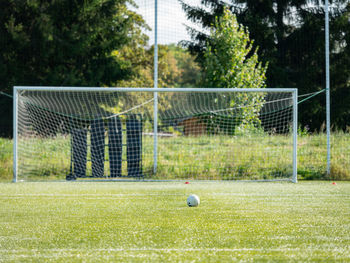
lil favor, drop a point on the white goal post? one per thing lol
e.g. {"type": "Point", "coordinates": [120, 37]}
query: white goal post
{"type": "Point", "coordinates": [187, 133]}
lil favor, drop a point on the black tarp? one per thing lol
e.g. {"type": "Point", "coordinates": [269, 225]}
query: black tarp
{"type": "Point", "coordinates": [115, 146]}
{"type": "Point", "coordinates": [134, 146]}
{"type": "Point", "coordinates": [97, 148]}
{"type": "Point", "coordinates": [79, 151]}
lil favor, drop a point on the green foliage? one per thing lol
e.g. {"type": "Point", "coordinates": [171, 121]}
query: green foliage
{"type": "Point", "coordinates": [340, 69]}
{"type": "Point", "coordinates": [189, 70]}
{"type": "Point", "coordinates": [176, 66]}
{"type": "Point", "coordinates": [290, 36]}
{"type": "Point", "coordinates": [303, 131]}
{"type": "Point", "coordinates": [250, 130]}
{"type": "Point", "coordinates": [65, 43]}
{"type": "Point", "coordinates": [6, 159]}
{"type": "Point", "coordinates": [231, 62]}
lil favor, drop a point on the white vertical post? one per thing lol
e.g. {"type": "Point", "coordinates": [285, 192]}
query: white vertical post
{"type": "Point", "coordinates": [155, 80]}
{"type": "Point", "coordinates": [328, 99]}
{"type": "Point", "coordinates": [295, 136]}
{"type": "Point", "coordinates": [15, 115]}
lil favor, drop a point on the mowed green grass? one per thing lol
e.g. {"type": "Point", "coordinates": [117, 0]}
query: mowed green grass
{"type": "Point", "coordinates": [150, 222]}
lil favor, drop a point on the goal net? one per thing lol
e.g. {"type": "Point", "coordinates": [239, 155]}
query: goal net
{"type": "Point", "coordinates": [154, 134]}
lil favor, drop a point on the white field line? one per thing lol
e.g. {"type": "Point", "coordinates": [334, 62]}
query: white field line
{"type": "Point", "coordinates": [174, 194]}
{"type": "Point", "coordinates": [85, 195]}
{"type": "Point", "coordinates": [172, 250]}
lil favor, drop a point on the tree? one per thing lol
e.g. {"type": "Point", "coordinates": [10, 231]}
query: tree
{"type": "Point", "coordinates": [231, 62]}
{"type": "Point", "coordinates": [64, 43]}
{"type": "Point", "coordinates": [189, 70]}
{"type": "Point", "coordinates": [229, 59]}
{"type": "Point", "coordinates": [290, 36]}
{"type": "Point", "coordinates": [176, 66]}
{"type": "Point", "coordinates": [340, 70]}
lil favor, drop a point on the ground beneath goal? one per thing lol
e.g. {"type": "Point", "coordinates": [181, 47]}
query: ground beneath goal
{"type": "Point", "coordinates": [150, 222]}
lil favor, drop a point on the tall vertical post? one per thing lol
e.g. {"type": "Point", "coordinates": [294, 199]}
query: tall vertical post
{"type": "Point", "coordinates": [15, 116]}
{"type": "Point", "coordinates": [155, 128]}
{"type": "Point", "coordinates": [328, 96]}
{"type": "Point", "coordinates": [295, 136]}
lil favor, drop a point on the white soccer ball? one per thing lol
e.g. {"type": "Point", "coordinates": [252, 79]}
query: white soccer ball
{"type": "Point", "coordinates": [193, 200]}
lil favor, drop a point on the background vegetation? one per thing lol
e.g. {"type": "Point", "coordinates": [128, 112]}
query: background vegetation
{"type": "Point", "coordinates": [203, 158]}
{"type": "Point", "coordinates": [105, 43]}
{"type": "Point", "coordinates": [231, 62]}
{"type": "Point", "coordinates": [290, 36]}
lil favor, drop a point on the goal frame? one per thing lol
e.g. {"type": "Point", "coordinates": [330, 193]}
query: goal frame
{"type": "Point", "coordinates": [293, 91]}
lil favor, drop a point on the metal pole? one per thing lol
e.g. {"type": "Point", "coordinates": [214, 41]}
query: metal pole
{"type": "Point", "coordinates": [15, 115]}
{"type": "Point", "coordinates": [295, 136]}
{"type": "Point", "coordinates": [155, 128]}
{"type": "Point", "coordinates": [328, 99]}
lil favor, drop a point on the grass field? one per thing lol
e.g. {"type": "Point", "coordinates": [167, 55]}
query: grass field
{"type": "Point", "coordinates": [150, 222]}
{"type": "Point", "coordinates": [220, 157]}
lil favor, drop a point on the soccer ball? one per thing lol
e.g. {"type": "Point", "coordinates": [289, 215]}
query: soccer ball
{"type": "Point", "coordinates": [193, 200]}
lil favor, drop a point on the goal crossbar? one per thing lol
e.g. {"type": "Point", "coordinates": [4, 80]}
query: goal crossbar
{"type": "Point", "coordinates": [140, 89]}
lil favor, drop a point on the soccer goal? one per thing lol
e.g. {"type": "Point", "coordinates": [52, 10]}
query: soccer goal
{"type": "Point", "coordinates": [155, 134]}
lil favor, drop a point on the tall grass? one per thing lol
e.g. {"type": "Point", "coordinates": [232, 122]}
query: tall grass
{"type": "Point", "coordinates": [312, 156]}
{"type": "Point", "coordinates": [203, 157]}
{"type": "Point", "coordinates": [223, 157]}
{"type": "Point", "coordinates": [6, 164]}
